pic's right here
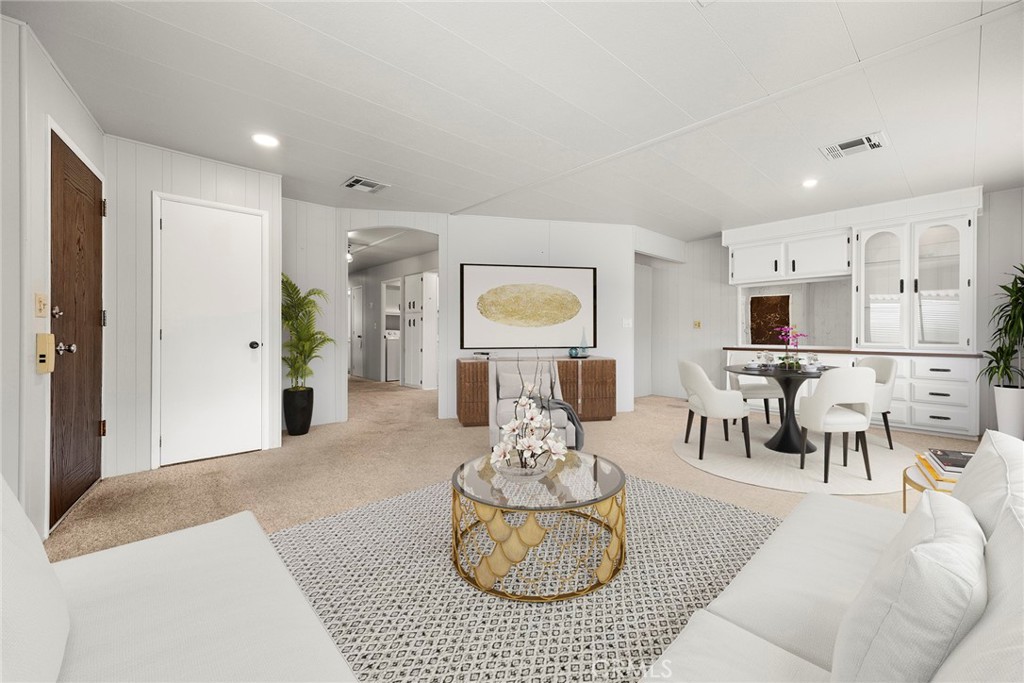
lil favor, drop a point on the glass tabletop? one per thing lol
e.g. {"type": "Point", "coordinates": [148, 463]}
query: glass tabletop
{"type": "Point", "coordinates": [580, 480]}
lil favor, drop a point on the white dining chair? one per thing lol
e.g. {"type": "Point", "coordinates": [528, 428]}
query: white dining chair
{"type": "Point", "coordinates": [759, 388]}
{"type": "Point", "coordinates": [842, 402]}
{"type": "Point", "coordinates": [885, 383]}
{"type": "Point", "coordinates": [707, 400]}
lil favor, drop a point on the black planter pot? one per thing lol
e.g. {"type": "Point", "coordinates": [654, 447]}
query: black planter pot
{"type": "Point", "coordinates": [298, 410]}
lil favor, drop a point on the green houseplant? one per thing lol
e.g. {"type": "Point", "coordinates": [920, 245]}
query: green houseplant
{"type": "Point", "coordinates": [299, 311]}
{"type": "Point", "coordinates": [1004, 369]}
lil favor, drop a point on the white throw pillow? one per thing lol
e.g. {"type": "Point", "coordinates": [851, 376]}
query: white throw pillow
{"type": "Point", "coordinates": [35, 611]}
{"type": "Point", "coordinates": [993, 479]}
{"type": "Point", "coordinates": [510, 385]}
{"type": "Point", "coordinates": [926, 592]}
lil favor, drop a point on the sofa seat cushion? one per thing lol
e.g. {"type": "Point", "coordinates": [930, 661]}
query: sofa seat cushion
{"type": "Point", "coordinates": [713, 649]}
{"type": "Point", "coordinates": [506, 410]}
{"type": "Point", "coordinates": [35, 619]}
{"type": "Point", "coordinates": [797, 587]}
{"type": "Point", "coordinates": [927, 591]}
{"type": "Point", "coordinates": [213, 603]}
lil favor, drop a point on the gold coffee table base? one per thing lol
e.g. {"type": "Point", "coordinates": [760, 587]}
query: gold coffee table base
{"type": "Point", "coordinates": [540, 555]}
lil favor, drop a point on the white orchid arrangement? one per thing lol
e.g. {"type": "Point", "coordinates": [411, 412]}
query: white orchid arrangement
{"type": "Point", "coordinates": [528, 439]}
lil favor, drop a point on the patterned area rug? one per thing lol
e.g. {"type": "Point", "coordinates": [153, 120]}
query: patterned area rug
{"type": "Point", "coordinates": [381, 579]}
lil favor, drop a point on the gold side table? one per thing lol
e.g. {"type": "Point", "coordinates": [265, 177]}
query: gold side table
{"type": "Point", "coordinates": [913, 478]}
{"type": "Point", "coordinates": [553, 537]}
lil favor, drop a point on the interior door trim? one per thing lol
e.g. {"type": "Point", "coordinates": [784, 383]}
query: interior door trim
{"type": "Point", "coordinates": [267, 280]}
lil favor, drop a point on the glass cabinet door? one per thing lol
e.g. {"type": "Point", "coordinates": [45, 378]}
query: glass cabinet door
{"type": "Point", "coordinates": [883, 282]}
{"type": "Point", "coordinates": [939, 295]}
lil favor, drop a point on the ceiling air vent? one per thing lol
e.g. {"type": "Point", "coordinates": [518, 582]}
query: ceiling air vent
{"type": "Point", "coordinates": [841, 150]}
{"type": "Point", "coordinates": [364, 185]}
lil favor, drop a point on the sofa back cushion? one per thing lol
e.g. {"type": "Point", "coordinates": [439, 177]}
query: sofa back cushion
{"type": "Point", "coordinates": [924, 595]}
{"type": "Point", "coordinates": [993, 479]}
{"type": "Point", "coordinates": [994, 648]}
{"type": "Point", "coordinates": [35, 612]}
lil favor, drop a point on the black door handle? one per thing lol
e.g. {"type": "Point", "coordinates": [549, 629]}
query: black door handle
{"type": "Point", "coordinates": [254, 345]}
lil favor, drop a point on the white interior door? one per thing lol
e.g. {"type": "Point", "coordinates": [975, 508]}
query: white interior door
{"type": "Point", "coordinates": [210, 333]}
{"type": "Point", "coordinates": [357, 332]}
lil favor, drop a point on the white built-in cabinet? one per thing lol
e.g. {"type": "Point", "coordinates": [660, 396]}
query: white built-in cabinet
{"type": "Point", "coordinates": [914, 285]}
{"type": "Point", "coordinates": [913, 269]}
{"type": "Point", "coordinates": [420, 330]}
{"type": "Point", "coordinates": [799, 258]}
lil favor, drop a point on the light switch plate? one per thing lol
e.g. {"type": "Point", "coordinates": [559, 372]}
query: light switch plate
{"type": "Point", "coordinates": [627, 322]}
{"type": "Point", "coordinates": [41, 306]}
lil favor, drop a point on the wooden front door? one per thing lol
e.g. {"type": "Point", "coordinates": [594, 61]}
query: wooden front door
{"type": "Point", "coordinates": [76, 282]}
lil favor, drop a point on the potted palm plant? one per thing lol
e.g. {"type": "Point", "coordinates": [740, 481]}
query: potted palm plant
{"type": "Point", "coordinates": [299, 311]}
{"type": "Point", "coordinates": [1005, 367]}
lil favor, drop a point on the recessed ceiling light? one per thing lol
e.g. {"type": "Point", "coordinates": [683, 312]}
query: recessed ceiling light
{"type": "Point", "coordinates": [810, 182]}
{"type": "Point", "coordinates": [265, 140]}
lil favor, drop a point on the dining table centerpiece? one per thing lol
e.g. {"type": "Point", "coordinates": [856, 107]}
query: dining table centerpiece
{"type": "Point", "coordinates": [529, 446]}
{"type": "Point", "coordinates": [789, 335]}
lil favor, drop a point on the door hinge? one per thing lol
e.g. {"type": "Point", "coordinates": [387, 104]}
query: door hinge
{"type": "Point", "coordinates": [103, 318]}
{"type": "Point", "coordinates": [103, 427]}
{"type": "Point", "coordinates": [856, 340]}
{"type": "Point", "coordinates": [161, 334]}
{"type": "Point", "coordinates": [161, 223]}
{"type": "Point", "coordinates": [103, 208]}
{"type": "Point", "coordinates": [857, 288]}
{"type": "Point", "coordinates": [847, 240]}
{"type": "Point", "coordinates": [160, 442]}
{"type": "Point", "coordinates": [968, 222]}
{"type": "Point", "coordinates": [847, 264]}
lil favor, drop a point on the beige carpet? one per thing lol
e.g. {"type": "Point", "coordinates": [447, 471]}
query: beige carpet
{"type": "Point", "coordinates": [391, 444]}
{"type": "Point", "coordinates": [782, 471]}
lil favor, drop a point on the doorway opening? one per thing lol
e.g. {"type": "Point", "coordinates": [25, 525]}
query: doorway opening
{"type": "Point", "coordinates": [394, 298]}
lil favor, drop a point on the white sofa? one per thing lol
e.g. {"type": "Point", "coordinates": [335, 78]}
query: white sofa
{"type": "Point", "coordinates": [847, 591]}
{"type": "Point", "coordinates": [210, 603]}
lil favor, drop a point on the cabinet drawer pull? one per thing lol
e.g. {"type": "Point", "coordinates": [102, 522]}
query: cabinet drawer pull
{"type": "Point", "coordinates": [937, 393]}
{"type": "Point", "coordinates": [939, 370]}
{"type": "Point", "coordinates": [939, 417]}
{"type": "Point", "coordinates": [776, 265]}
{"type": "Point", "coordinates": [794, 265]}
{"type": "Point", "coordinates": [901, 285]}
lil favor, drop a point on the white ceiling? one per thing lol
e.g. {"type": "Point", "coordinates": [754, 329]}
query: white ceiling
{"type": "Point", "coordinates": [376, 246]}
{"type": "Point", "coordinates": [676, 117]}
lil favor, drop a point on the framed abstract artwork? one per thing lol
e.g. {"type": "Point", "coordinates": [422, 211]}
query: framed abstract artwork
{"type": "Point", "coordinates": [527, 307]}
{"type": "Point", "coordinates": [767, 313]}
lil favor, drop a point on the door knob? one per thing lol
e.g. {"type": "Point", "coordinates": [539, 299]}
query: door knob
{"type": "Point", "coordinates": [61, 348]}
{"type": "Point", "coordinates": [254, 345]}
{"type": "Point", "coordinates": [56, 313]}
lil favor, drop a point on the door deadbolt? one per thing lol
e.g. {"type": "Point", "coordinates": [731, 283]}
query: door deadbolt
{"type": "Point", "coordinates": [254, 345]}
{"type": "Point", "coordinates": [62, 349]}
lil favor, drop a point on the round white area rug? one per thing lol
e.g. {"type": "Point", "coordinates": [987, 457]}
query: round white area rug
{"type": "Point", "coordinates": [774, 470]}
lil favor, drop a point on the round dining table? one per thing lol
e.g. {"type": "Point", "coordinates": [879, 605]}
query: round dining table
{"type": "Point", "coordinates": [788, 438]}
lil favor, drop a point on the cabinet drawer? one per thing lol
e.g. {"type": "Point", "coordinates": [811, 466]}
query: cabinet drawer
{"type": "Point", "coordinates": [940, 418]}
{"type": "Point", "coordinates": [956, 369]}
{"type": "Point", "coordinates": [946, 393]}
{"type": "Point", "coordinates": [900, 390]}
{"type": "Point", "coordinates": [899, 414]}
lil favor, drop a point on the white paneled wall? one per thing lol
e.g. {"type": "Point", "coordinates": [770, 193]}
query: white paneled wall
{"type": "Point", "coordinates": [695, 291]}
{"type": "Point", "coordinates": [1000, 248]}
{"type": "Point", "coordinates": [643, 313]}
{"type": "Point", "coordinates": [134, 171]}
{"type": "Point", "coordinates": [313, 255]}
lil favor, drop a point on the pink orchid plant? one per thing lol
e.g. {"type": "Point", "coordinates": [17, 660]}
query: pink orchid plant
{"type": "Point", "coordinates": [528, 439]}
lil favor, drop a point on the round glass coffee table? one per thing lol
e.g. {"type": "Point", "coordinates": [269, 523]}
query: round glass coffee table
{"type": "Point", "coordinates": [550, 538]}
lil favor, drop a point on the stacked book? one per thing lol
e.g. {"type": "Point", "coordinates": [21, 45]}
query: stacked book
{"type": "Point", "coordinates": [942, 468]}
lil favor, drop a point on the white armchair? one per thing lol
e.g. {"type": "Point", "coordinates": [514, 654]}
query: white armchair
{"type": "Point", "coordinates": [706, 400]}
{"type": "Point", "coordinates": [840, 403]}
{"type": "Point", "coordinates": [505, 384]}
